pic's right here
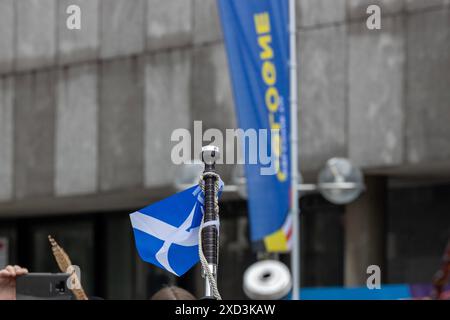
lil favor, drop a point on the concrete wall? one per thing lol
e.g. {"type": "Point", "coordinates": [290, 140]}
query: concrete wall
{"type": "Point", "coordinates": [90, 112]}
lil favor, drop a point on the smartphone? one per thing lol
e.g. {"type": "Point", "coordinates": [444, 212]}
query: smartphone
{"type": "Point", "coordinates": [43, 286]}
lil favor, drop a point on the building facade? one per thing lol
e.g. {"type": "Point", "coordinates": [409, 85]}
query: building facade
{"type": "Point", "coordinates": [86, 118]}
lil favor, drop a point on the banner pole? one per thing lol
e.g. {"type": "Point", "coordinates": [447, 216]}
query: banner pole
{"type": "Point", "coordinates": [295, 254]}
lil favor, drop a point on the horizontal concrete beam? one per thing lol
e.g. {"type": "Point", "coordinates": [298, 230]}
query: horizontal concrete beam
{"type": "Point", "coordinates": [122, 30]}
{"type": "Point", "coordinates": [169, 23]}
{"type": "Point", "coordinates": [319, 12]}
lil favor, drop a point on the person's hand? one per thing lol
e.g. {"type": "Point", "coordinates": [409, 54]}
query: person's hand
{"type": "Point", "coordinates": [8, 281]}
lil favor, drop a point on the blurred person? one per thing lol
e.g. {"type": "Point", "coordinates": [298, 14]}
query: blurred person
{"type": "Point", "coordinates": [8, 281]}
{"type": "Point", "coordinates": [173, 293]}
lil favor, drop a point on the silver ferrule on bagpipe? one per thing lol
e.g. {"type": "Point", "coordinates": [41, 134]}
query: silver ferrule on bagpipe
{"type": "Point", "coordinates": [208, 289]}
{"type": "Point", "coordinates": [210, 231]}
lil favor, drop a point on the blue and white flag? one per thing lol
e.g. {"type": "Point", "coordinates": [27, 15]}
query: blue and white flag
{"type": "Point", "coordinates": [166, 232]}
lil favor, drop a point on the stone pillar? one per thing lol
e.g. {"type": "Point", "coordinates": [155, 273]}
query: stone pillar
{"type": "Point", "coordinates": [365, 232]}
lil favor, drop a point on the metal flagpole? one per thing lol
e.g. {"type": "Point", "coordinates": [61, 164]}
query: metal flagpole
{"type": "Point", "coordinates": [295, 255]}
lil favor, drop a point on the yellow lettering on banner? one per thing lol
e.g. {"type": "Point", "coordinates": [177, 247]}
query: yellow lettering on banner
{"type": "Point", "coordinates": [272, 96]}
{"type": "Point", "coordinates": [274, 125]}
{"type": "Point", "coordinates": [267, 51]}
{"type": "Point", "coordinates": [276, 149]}
{"type": "Point", "coordinates": [281, 176]}
{"type": "Point", "coordinates": [276, 144]}
{"type": "Point", "coordinates": [262, 23]}
{"type": "Point", "coordinates": [272, 99]}
{"type": "Point", "coordinates": [269, 73]}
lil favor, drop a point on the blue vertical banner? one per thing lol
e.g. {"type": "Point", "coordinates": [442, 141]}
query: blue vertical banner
{"type": "Point", "coordinates": [257, 44]}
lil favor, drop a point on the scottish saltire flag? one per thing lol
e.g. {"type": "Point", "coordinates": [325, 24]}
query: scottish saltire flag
{"type": "Point", "coordinates": [257, 44]}
{"type": "Point", "coordinates": [166, 232]}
